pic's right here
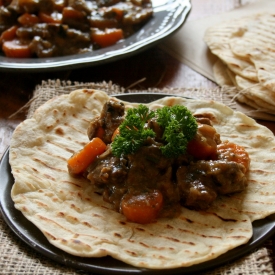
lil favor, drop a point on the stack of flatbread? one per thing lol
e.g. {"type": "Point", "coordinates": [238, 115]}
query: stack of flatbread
{"type": "Point", "coordinates": [246, 52]}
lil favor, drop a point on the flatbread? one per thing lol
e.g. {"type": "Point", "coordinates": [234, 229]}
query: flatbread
{"type": "Point", "coordinates": [74, 218]}
{"type": "Point", "coordinates": [248, 51]}
{"type": "Point", "coordinates": [220, 74]}
{"type": "Point", "coordinates": [263, 97]}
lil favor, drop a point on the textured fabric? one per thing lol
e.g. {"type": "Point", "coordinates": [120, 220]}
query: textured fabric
{"type": "Point", "coordinates": [52, 88]}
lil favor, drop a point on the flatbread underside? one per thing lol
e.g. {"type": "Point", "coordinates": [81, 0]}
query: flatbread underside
{"type": "Point", "coordinates": [76, 219]}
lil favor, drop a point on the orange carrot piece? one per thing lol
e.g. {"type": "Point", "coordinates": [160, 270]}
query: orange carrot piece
{"type": "Point", "coordinates": [28, 19]}
{"type": "Point", "coordinates": [143, 208]}
{"type": "Point", "coordinates": [106, 38]}
{"type": "Point", "coordinates": [119, 13]}
{"type": "Point", "coordinates": [8, 34]}
{"type": "Point", "coordinates": [71, 13]}
{"type": "Point", "coordinates": [203, 145]}
{"type": "Point", "coordinates": [78, 163]}
{"type": "Point", "coordinates": [15, 49]}
{"type": "Point", "coordinates": [54, 17]}
{"type": "Point", "coordinates": [233, 152]}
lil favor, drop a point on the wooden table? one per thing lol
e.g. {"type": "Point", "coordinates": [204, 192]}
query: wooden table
{"type": "Point", "coordinates": [154, 67]}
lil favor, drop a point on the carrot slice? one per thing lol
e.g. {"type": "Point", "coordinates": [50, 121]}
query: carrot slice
{"type": "Point", "coordinates": [28, 19]}
{"type": "Point", "coordinates": [71, 13]}
{"type": "Point", "coordinates": [15, 49]}
{"type": "Point", "coordinates": [233, 152]}
{"type": "Point", "coordinates": [119, 13]}
{"type": "Point", "coordinates": [143, 208]}
{"type": "Point", "coordinates": [54, 17]}
{"type": "Point", "coordinates": [8, 34]}
{"type": "Point", "coordinates": [203, 145]}
{"type": "Point", "coordinates": [78, 163]}
{"type": "Point", "coordinates": [106, 38]}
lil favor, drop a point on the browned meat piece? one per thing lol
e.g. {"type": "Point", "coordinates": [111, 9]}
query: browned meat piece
{"type": "Point", "coordinates": [110, 118]}
{"type": "Point", "coordinates": [106, 3]}
{"type": "Point", "coordinates": [32, 6]}
{"type": "Point", "coordinates": [79, 5]}
{"type": "Point", "coordinates": [109, 174]}
{"type": "Point", "coordinates": [94, 125]}
{"type": "Point", "coordinates": [195, 188]}
{"type": "Point", "coordinates": [107, 169]}
{"type": "Point", "coordinates": [80, 21]}
{"type": "Point", "coordinates": [53, 39]}
{"type": "Point", "coordinates": [147, 167]}
{"type": "Point", "coordinates": [6, 2]}
{"type": "Point", "coordinates": [8, 18]}
{"type": "Point", "coordinates": [137, 14]}
{"type": "Point", "coordinates": [201, 182]}
{"type": "Point", "coordinates": [228, 176]}
{"type": "Point", "coordinates": [184, 159]}
{"type": "Point", "coordinates": [97, 21]}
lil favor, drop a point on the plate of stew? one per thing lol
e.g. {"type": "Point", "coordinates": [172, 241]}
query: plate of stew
{"type": "Point", "coordinates": [48, 36]}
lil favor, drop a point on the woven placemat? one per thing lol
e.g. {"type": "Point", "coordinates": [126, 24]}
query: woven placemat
{"type": "Point", "coordinates": [18, 258]}
{"type": "Point", "coordinates": [51, 88]}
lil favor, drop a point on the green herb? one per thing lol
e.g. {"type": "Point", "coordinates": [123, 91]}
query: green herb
{"type": "Point", "coordinates": [180, 127]}
{"type": "Point", "coordinates": [132, 133]}
{"type": "Point", "coordinates": [178, 124]}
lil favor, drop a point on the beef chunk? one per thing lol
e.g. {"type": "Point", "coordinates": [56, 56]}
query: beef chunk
{"type": "Point", "coordinates": [107, 169]}
{"type": "Point", "coordinates": [200, 182]}
{"type": "Point", "coordinates": [53, 39]}
{"type": "Point", "coordinates": [110, 118]}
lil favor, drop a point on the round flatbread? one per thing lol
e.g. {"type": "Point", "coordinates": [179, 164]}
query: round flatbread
{"type": "Point", "coordinates": [74, 218]}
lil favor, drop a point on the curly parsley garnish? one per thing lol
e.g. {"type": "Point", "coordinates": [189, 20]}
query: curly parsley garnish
{"type": "Point", "coordinates": [178, 124]}
{"type": "Point", "coordinates": [132, 133]}
{"type": "Point", "coordinates": [180, 127]}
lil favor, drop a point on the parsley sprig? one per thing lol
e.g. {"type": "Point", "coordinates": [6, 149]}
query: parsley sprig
{"type": "Point", "coordinates": [180, 127]}
{"type": "Point", "coordinates": [177, 121]}
{"type": "Point", "coordinates": [132, 133]}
